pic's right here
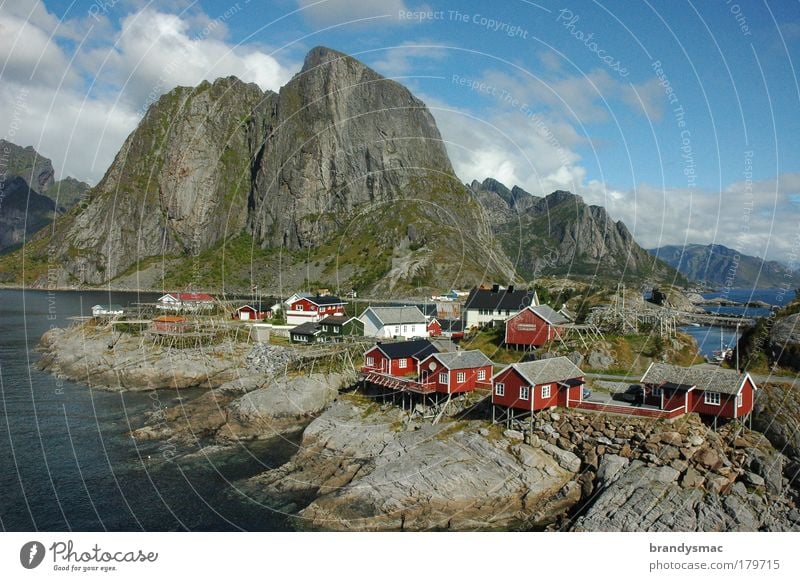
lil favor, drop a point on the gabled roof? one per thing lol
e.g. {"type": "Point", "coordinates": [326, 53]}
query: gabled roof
{"type": "Point", "coordinates": [463, 359]}
{"type": "Point", "coordinates": [549, 315]}
{"type": "Point", "coordinates": [728, 381]}
{"type": "Point", "coordinates": [553, 370]}
{"type": "Point", "coordinates": [246, 307]}
{"type": "Point", "coordinates": [306, 329]}
{"type": "Point", "coordinates": [202, 297]}
{"type": "Point", "coordinates": [418, 349]}
{"type": "Point", "coordinates": [109, 307]}
{"type": "Point", "coordinates": [504, 299]}
{"type": "Point", "coordinates": [170, 319]}
{"type": "Point", "coordinates": [326, 300]}
{"type": "Point", "coordinates": [451, 325]}
{"type": "Point", "coordinates": [334, 320]}
{"type": "Point", "coordinates": [396, 315]}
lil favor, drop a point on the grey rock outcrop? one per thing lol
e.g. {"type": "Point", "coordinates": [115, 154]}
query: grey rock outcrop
{"type": "Point", "coordinates": [364, 475]}
{"type": "Point", "coordinates": [338, 149]}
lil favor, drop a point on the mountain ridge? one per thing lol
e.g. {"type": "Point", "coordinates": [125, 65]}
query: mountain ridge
{"type": "Point", "coordinates": [718, 265]}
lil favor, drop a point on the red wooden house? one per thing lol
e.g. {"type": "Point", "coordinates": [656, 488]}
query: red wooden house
{"type": "Point", "coordinates": [457, 371]}
{"type": "Point", "coordinates": [534, 326]}
{"type": "Point", "coordinates": [434, 328]}
{"type": "Point", "coordinates": [313, 309]}
{"type": "Point", "coordinates": [399, 359]}
{"type": "Point", "coordinates": [248, 313]}
{"type": "Point", "coordinates": [711, 391]}
{"type": "Point", "coordinates": [537, 385]}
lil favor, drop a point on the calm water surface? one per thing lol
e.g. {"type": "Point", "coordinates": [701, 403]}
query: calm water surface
{"type": "Point", "coordinates": [67, 464]}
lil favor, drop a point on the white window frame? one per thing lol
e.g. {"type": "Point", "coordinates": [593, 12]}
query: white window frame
{"type": "Point", "coordinates": [299, 308]}
{"type": "Point", "coordinates": [547, 391]}
{"type": "Point", "coordinates": [370, 361]}
{"type": "Point", "coordinates": [402, 363]}
{"type": "Point", "coordinates": [481, 374]}
{"type": "Point", "coordinates": [739, 399]}
{"type": "Point", "coordinates": [656, 392]}
{"type": "Point", "coordinates": [397, 329]}
{"type": "Point", "coordinates": [443, 377]}
{"type": "Point", "coordinates": [405, 328]}
{"type": "Point", "coordinates": [524, 392]}
{"type": "Point", "coordinates": [461, 377]}
{"type": "Point", "coordinates": [712, 398]}
{"type": "Point", "coordinates": [500, 389]}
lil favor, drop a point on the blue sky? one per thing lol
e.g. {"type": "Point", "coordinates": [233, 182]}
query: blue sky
{"type": "Point", "coordinates": [680, 118]}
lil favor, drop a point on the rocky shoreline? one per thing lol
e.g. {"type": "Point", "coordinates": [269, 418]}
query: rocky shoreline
{"type": "Point", "coordinates": [363, 465]}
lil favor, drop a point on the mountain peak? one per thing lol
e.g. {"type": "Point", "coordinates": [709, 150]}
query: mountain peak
{"type": "Point", "coordinates": [322, 55]}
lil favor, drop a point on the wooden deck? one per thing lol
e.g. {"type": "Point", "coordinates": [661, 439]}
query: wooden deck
{"type": "Point", "coordinates": [627, 410]}
{"type": "Point", "coordinates": [398, 383]}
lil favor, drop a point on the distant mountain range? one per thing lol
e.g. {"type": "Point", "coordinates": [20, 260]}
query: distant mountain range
{"type": "Point", "coordinates": [31, 197]}
{"type": "Point", "coordinates": [561, 235]}
{"type": "Point", "coordinates": [718, 265]}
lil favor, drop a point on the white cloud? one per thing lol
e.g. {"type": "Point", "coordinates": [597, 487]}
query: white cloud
{"type": "Point", "coordinates": [79, 114]}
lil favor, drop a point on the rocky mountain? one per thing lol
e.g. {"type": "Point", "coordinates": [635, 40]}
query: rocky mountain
{"type": "Point", "coordinates": [717, 265]}
{"type": "Point", "coordinates": [342, 170]}
{"type": "Point", "coordinates": [31, 197]}
{"type": "Point", "coordinates": [562, 235]}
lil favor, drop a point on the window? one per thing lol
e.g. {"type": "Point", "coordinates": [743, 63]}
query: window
{"type": "Point", "coordinates": [405, 328]}
{"type": "Point", "coordinates": [711, 398]}
{"type": "Point", "coordinates": [370, 361]}
{"type": "Point", "coordinates": [499, 389]}
{"type": "Point", "coordinates": [656, 392]}
{"type": "Point", "coordinates": [546, 391]}
{"type": "Point", "coordinates": [740, 400]}
{"type": "Point", "coordinates": [523, 392]}
{"type": "Point", "coordinates": [461, 377]}
{"type": "Point", "coordinates": [402, 363]}
{"type": "Point", "coordinates": [397, 330]}
{"type": "Point", "coordinates": [443, 377]}
{"type": "Point", "coordinates": [481, 374]}
{"type": "Point", "coordinates": [299, 308]}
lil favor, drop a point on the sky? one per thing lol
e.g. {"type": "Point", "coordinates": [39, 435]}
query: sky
{"type": "Point", "coordinates": [679, 117]}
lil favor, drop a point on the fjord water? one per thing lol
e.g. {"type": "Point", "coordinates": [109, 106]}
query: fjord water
{"type": "Point", "coordinates": [710, 338]}
{"type": "Point", "coordinates": [66, 462]}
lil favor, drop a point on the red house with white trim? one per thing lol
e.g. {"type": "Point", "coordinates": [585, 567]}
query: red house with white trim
{"type": "Point", "coordinates": [313, 309]}
{"type": "Point", "coordinates": [399, 359]}
{"type": "Point", "coordinates": [534, 326]}
{"type": "Point", "coordinates": [456, 371]}
{"type": "Point", "coordinates": [710, 391]}
{"type": "Point", "coordinates": [537, 385]}
{"type": "Point", "coordinates": [434, 328]}
{"type": "Point", "coordinates": [248, 313]}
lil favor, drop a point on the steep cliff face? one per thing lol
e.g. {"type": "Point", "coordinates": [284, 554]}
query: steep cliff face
{"type": "Point", "coordinates": [341, 160]}
{"type": "Point", "coordinates": [179, 184]}
{"type": "Point", "coordinates": [715, 264]}
{"type": "Point", "coordinates": [342, 137]}
{"type": "Point", "coordinates": [30, 198]}
{"type": "Point", "coordinates": [561, 235]}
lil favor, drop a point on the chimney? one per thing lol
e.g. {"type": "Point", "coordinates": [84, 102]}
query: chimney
{"type": "Point", "coordinates": [495, 288]}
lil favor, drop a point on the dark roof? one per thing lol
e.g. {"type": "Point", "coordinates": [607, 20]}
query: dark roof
{"type": "Point", "coordinates": [327, 300]}
{"type": "Point", "coordinates": [451, 325]}
{"type": "Point", "coordinates": [306, 329]}
{"type": "Point", "coordinates": [504, 299]}
{"type": "Point", "coordinates": [428, 309]}
{"type": "Point", "coordinates": [418, 349]}
{"type": "Point", "coordinates": [728, 381]}
{"type": "Point", "coordinates": [549, 315]}
{"type": "Point", "coordinates": [334, 320]}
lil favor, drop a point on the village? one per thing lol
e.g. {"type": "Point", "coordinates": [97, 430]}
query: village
{"type": "Point", "coordinates": [425, 359]}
